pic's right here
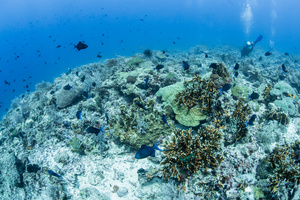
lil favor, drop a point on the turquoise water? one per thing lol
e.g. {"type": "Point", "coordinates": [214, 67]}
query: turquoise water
{"type": "Point", "coordinates": [30, 31]}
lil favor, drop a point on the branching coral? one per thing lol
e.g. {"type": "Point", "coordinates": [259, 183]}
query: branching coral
{"type": "Point", "coordinates": [286, 173]}
{"type": "Point", "coordinates": [266, 92]}
{"type": "Point", "coordinates": [136, 126]}
{"type": "Point", "coordinates": [240, 114]}
{"type": "Point", "coordinates": [278, 116]}
{"type": "Point", "coordinates": [198, 91]}
{"type": "Point", "coordinates": [186, 153]}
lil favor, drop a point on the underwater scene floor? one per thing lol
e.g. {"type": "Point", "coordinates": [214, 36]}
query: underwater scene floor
{"type": "Point", "coordinates": [199, 124]}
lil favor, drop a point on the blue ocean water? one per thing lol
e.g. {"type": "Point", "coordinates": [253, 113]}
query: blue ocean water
{"type": "Point", "coordinates": [31, 30]}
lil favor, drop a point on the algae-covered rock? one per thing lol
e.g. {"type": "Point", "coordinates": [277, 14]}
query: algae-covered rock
{"type": "Point", "coordinates": [135, 61]}
{"type": "Point", "coordinates": [65, 98]}
{"type": "Point", "coordinates": [240, 91]}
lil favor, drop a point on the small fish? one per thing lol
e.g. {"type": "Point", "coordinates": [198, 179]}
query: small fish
{"type": "Point", "coordinates": [82, 78]}
{"type": "Point", "coordinates": [225, 88]}
{"type": "Point", "coordinates": [283, 68]}
{"type": "Point", "coordinates": [107, 119]}
{"type": "Point", "coordinates": [236, 67]}
{"type": "Point", "coordinates": [253, 96]}
{"type": "Point", "coordinates": [158, 67]}
{"type": "Point", "coordinates": [78, 114]}
{"type": "Point", "coordinates": [86, 94]}
{"type": "Point", "coordinates": [260, 59]}
{"type": "Point", "coordinates": [92, 129]}
{"type": "Point", "coordinates": [268, 53]}
{"type": "Point", "coordinates": [67, 87]}
{"type": "Point", "coordinates": [214, 65]}
{"type": "Point", "coordinates": [174, 42]}
{"type": "Point", "coordinates": [58, 46]}
{"type": "Point", "coordinates": [98, 55]}
{"type": "Point", "coordinates": [185, 65]}
{"type": "Point", "coordinates": [146, 82]}
{"type": "Point", "coordinates": [55, 174]}
{"type": "Point", "coordinates": [80, 46]}
{"type": "Point", "coordinates": [140, 105]}
{"type": "Point", "coordinates": [163, 51]}
{"type": "Point", "coordinates": [236, 74]}
{"type": "Point", "coordinates": [146, 151]}
{"type": "Point", "coordinates": [286, 53]}
{"type": "Point", "coordinates": [251, 120]}
{"type": "Point", "coordinates": [164, 118]}
{"type": "Point", "coordinates": [206, 56]}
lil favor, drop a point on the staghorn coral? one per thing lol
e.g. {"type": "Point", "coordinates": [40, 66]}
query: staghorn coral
{"type": "Point", "coordinates": [240, 115]}
{"type": "Point", "coordinates": [266, 92]}
{"type": "Point", "coordinates": [135, 126]}
{"type": "Point", "coordinates": [187, 153]}
{"type": "Point", "coordinates": [197, 91]}
{"type": "Point", "coordinates": [280, 117]}
{"type": "Point", "coordinates": [285, 172]}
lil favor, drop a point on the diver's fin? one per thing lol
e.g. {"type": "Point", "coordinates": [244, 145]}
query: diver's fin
{"type": "Point", "coordinates": [258, 39]}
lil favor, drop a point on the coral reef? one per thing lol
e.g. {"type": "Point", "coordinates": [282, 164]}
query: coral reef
{"type": "Point", "coordinates": [280, 117]}
{"type": "Point", "coordinates": [285, 171]}
{"type": "Point", "coordinates": [240, 116]}
{"type": "Point", "coordinates": [186, 153]}
{"type": "Point", "coordinates": [136, 126]}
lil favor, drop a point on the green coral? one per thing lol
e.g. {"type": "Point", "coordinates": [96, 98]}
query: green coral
{"type": "Point", "coordinates": [240, 91]}
{"type": "Point", "coordinates": [135, 61]}
{"type": "Point", "coordinates": [135, 126]}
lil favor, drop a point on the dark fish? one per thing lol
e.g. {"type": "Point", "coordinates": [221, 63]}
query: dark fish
{"type": "Point", "coordinates": [93, 84]}
{"type": "Point", "coordinates": [286, 53]}
{"type": "Point", "coordinates": [251, 120]}
{"type": "Point", "coordinates": [67, 87]}
{"type": "Point", "coordinates": [178, 38]}
{"type": "Point", "coordinates": [185, 65]}
{"type": "Point", "coordinates": [107, 119]}
{"type": "Point", "coordinates": [78, 114]}
{"type": "Point", "coordinates": [253, 96]}
{"type": "Point", "coordinates": [98, 55]}
{"type": "Point", "coordinates": [225, 88]}
{"type": "Point", "coordinates": [236, 74]}
{"type": "Point", "coordinates": [283, 68]}
{"type": "Point", "coordinates": [146, 151]}
{"type": "Point", "coordinates": [146, 82]}
{"type": "Point", "coordinates": [174, 42]}
{"type": "Point", "coordinates": [82, 78]}
{"type": "Point", "coordinates": [214, 65]}
{"type": "Point", "coordinates": [164, 118]}
{"type": "Point", "coordinates": [6, 82]}
{"type": "Point", "coordinates": [92, 129]}
{"type": "Point", "coordinates": [58, 46]}
{"type": "Point", "coordinates": [206, 56]}
{"type": "Point", "coordinates": [260, 59]}
{"type": "Point", "coordinates": [86, 94]}
{"type": "Point", "coordinates": [80, 46]}
{"type": "Point", "coordinates": [163, 51]}
{"type": "Point", "coordinates": [236, 67]}
{"type": "Point", "coordinates": [268, 53]}
{"type": "Point", "coordinates": [140, 105]}
{"type": "Point", "coordinates": [158, 67]}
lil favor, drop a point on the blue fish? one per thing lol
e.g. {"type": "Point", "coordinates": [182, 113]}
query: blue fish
{"type": "Point", "coordinates": [164, 118]}
{"type": "Point", "coordinates": [55, 174]}
{"type": "Point", "coordinates": [253, 96]}
{"type": "Point", "coordinates": [225, 88]}
{"type": "Point", "coordinates": [67, 87]}
{"type": "Point", "coordinates": [140, 105]}
{"type": "Point", "coordinates": [251, 120]}
{"type": "Point", "coordinates": [185, 65]}
{"type": "Point", "coordinates": [236, 67]}
{"type": "Point", "coordinates": [146, 82]}
{"type": "Point", "coordinates": [86, 94]}
{"type": "Point", "coordinates": [158, 67]}
{"type": "Point", "coordinates": [283, 68]}
{"type": "Point", "coordinates": [78, 114]}
{"type": "Point", "coordinates": [146, 151]}
{"type": "Point", "coordinates": [92, 129]}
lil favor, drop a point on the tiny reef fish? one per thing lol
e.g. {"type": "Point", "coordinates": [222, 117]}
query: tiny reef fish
{"type": "Point", "coordinates": [251, 120]}
{"type": "Point", "coordinates": [283, 68]}
{"type": "Point", "coordinates": [146, 151]}
{"type": "Point", "coordinates": [268, 53]}
{"type": "Point", "coordinates": [95, 130]}
{"type": "Point", "coordinates": [253, 96]}
{"type": "Point", "coordinates": [78, 114]}
{"type": "Point", "coordinates": [164, 118]}
{"type": "Point", "coordinates": [140, 105]}
{"type": "Point", "coordinates": [236, 66]}
{"type": "Point", "coordinates": [67, 87]}
{"type": "Point", "coordinates": [185, 65]}
{"type": "Point", "coordinates": [158, 67]}
{"type": "Point", "coordinates": [80, 46]}
{"type": "Point", "coordinates": [225, 88]}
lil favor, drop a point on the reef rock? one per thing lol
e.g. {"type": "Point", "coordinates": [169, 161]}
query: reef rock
{"type": "Point", "coordinates": [65, 98]}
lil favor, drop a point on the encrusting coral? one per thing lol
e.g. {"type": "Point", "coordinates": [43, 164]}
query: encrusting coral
{"type": "Point", "coordinates": [136, 126]}
{"type": "Point", "coordinates": [187, 153]}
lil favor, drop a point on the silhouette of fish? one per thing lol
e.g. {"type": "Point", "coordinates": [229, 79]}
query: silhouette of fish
{"type": "Point", "coordinates": [80, 46]}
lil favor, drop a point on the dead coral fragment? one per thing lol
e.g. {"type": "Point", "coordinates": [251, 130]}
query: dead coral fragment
{"type": "Point", "coordinates": [188, 153]}
{"type": "Point", "coordinates": [198, 91]}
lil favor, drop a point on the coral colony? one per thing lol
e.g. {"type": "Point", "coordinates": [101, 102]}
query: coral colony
{"type": "Point", "coordinates": [147, 127]}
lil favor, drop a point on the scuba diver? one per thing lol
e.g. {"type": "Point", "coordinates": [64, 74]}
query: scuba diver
{"type": "Point", "coordinates": [249, 47]}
